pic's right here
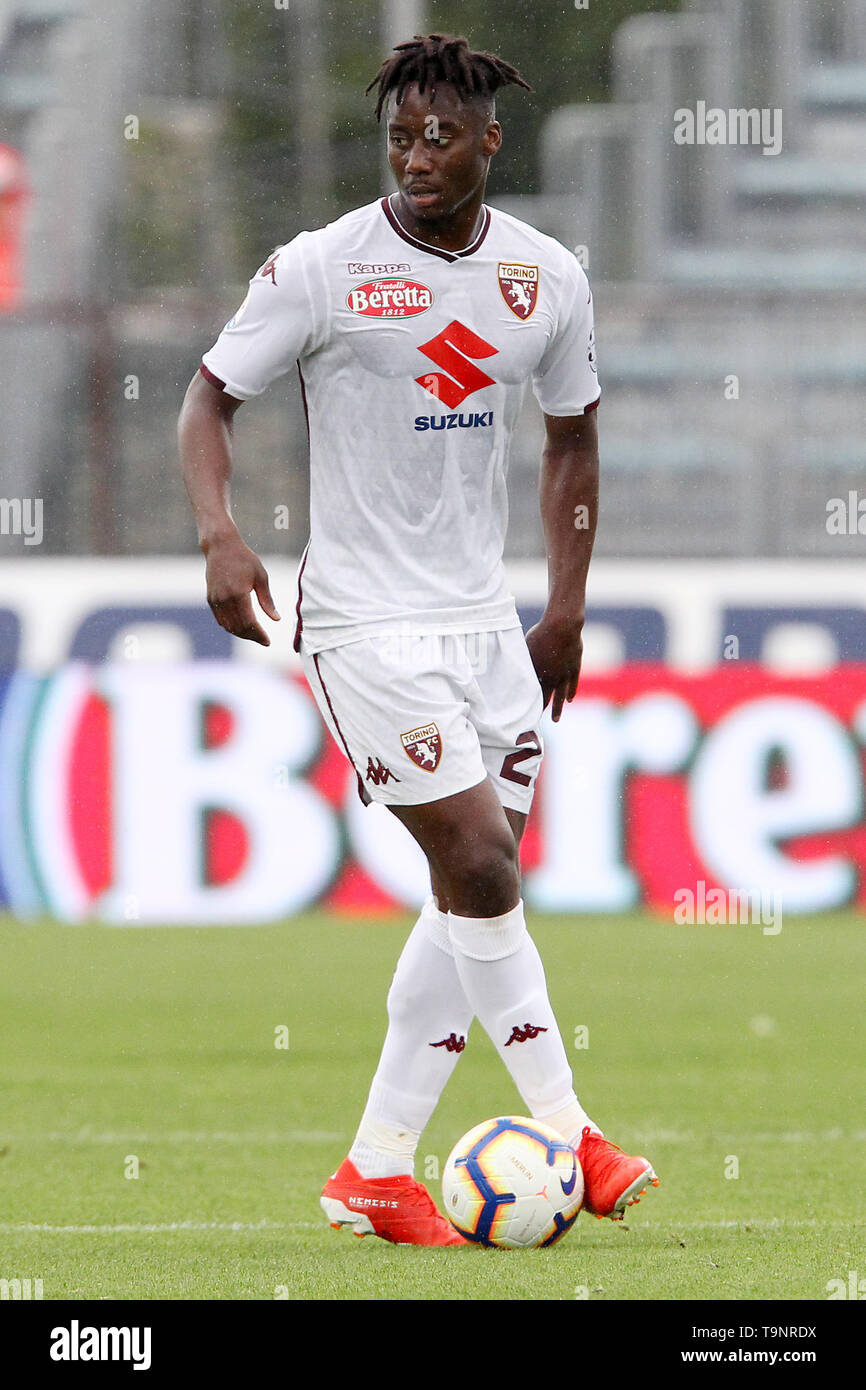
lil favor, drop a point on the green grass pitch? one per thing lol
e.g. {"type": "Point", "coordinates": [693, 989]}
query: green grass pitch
{"type": "Point", "coordinates": [733, 1059]}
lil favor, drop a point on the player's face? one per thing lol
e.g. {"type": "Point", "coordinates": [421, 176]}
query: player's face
{"type": "Point", "coordinates": [439, 151]}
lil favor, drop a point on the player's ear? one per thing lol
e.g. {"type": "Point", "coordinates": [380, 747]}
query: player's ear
{"type": "Point", "coordinates": [492, 139]}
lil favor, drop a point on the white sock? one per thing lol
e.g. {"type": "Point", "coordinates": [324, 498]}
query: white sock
{"type": "Point", "coordinates": [570, 1122]}
{"type": "Point", "coordinates": [428, 1021]}
{"type": "Point", "coordinates": [503, 977]}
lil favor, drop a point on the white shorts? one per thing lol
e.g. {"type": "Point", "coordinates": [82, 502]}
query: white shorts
{"type": "Point", "coordinates": [424, 717]}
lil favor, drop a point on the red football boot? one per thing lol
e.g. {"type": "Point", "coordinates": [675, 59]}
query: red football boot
{"type": "Point", "coordinates": [397, 1209]}
{"type": "Point", "coordinates": [612, 1180]}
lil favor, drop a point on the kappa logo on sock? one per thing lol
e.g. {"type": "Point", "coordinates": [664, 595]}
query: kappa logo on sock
{"type": "Point", "coordinates": [452, 1044]}
{"type": "Point", "coordinates": [524, 1034]}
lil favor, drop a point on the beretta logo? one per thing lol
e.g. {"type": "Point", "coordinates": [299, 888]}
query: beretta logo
{"type": "Point", "coordinates": [389, 299]}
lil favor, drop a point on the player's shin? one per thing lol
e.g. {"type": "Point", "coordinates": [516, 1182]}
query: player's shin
{"type": "Point", "coordinates": [503, 978]}
{"type": "Point", "coordinates": [428, 1020]}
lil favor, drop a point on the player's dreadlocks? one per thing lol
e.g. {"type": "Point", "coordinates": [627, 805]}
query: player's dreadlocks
{"type": "Point", "coordinates": [431, 58]}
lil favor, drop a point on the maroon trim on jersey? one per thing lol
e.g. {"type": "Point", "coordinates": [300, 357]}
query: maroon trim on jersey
{"type": "Point", "coordinates": [435, 250]}
{"type": "Point", "coordinates": [304, 399]}
{"type": "Point", "coordinates": [300, 622]}
{"type": "Point", "coordinates": [362, 792]}
{"type": "Point", "coordinates": [593, 405]}
{"type": "Point", "coordinates": [209, 376]}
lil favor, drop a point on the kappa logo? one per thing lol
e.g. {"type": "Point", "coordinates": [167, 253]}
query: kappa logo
{"type": "Point", "coordinates": [452, 1043]}
{"type": "Point", "coordinates": [519, 286]}
{"type": "Point", "coordinates": [452, 349]}
{"type": "Point", "coordinates": [365, 268]}
{"type": "Point", "coordinates": [270, 267]}
{"type": "Point", "coordinates": [424, 746]}
{"type": "Point", "coordinates": [377, 773]}
{"type": "Point", "coordinates": [524, 1034]}
{"type": "Point", "coordinates": [390, 299]}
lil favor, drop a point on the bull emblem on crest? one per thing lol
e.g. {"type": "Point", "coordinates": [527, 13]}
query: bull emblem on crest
{"type": "Point", "coordinates": [423, 746]}
{"type": "Point", "coordinates": [519, 286]}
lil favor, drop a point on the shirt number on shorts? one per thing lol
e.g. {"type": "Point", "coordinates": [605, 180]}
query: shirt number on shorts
{"type": "Point", "coordinates": [531, 749]}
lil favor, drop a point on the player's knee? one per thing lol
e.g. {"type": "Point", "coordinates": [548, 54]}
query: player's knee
{"type": "Point", "coordinates": [485, 880]}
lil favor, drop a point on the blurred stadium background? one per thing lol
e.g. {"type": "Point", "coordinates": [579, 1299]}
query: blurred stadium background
{"type": "Point", "coordinates": [152, 157]}
{"type": "Point", "coordinates": [156, 773]}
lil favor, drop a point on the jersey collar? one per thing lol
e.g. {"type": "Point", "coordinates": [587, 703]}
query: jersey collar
{"type": "Point", "coordinates": [436, 250]}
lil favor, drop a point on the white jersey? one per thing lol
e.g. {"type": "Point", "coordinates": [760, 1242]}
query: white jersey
{"type": "Point", "coordinates": [413, 364]}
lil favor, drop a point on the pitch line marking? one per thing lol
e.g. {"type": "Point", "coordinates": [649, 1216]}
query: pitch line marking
{"type": "Point", "coordinates": [772, 1223]}
{"type": "Point", "coordinates": [325, 1136]}
{"type": "Point", "coordinates": [146, 1228]}
{"type": "Point", "coordinates": [184, 1136]}
{"type": "Point", "coordinates": [168, 1228]}
{"type": "Point", "coordinates": [785, 1136]}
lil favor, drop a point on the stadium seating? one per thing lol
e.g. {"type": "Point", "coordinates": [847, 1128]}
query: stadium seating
{"type": "Point", "coordinates": [728, 284]}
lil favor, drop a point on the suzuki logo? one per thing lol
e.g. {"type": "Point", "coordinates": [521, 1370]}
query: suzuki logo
{"type": "Point", "coordinates": [447, 350]}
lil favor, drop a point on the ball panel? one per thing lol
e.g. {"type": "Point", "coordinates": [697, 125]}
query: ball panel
{"type": "Point", "coordinates": [512, 1182]}
{"type": "Point", "coordinates": [562, 1224]}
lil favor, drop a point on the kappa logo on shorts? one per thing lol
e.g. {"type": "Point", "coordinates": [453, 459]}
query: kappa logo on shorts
{"type": "Point", "coordinates": [519, 286]}
{"type": "Point", "coordinates": [424, 746]}
{"type": "Point", "coordinates": [377, 772]}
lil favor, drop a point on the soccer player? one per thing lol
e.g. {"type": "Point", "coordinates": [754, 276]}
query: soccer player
{"type": "Point", "coordinates": [415, 323]}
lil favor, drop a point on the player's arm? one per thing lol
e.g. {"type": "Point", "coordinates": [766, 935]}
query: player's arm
{"type": "Point", "coordinates": [234, 571]}
{"type": "Point", "coordinates": [569, 511]}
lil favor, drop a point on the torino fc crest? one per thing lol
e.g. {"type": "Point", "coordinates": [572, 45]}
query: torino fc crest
{"type": "Point", "coordinates": [519, 286]}
{"type": "Point", "coordinates": [424, 746]}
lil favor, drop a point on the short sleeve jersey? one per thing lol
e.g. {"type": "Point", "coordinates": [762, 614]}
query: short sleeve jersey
{"type": "Point", "coordinates": [413, 365]}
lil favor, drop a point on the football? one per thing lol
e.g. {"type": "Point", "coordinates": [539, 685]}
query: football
{"type": "Point", "coordinates": [513, 1183]}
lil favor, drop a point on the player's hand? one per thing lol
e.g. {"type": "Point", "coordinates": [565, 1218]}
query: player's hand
{"type": "Point", "coordinates": [234, 572]}
{"type": "Point", "coordinates": [556, 649]}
